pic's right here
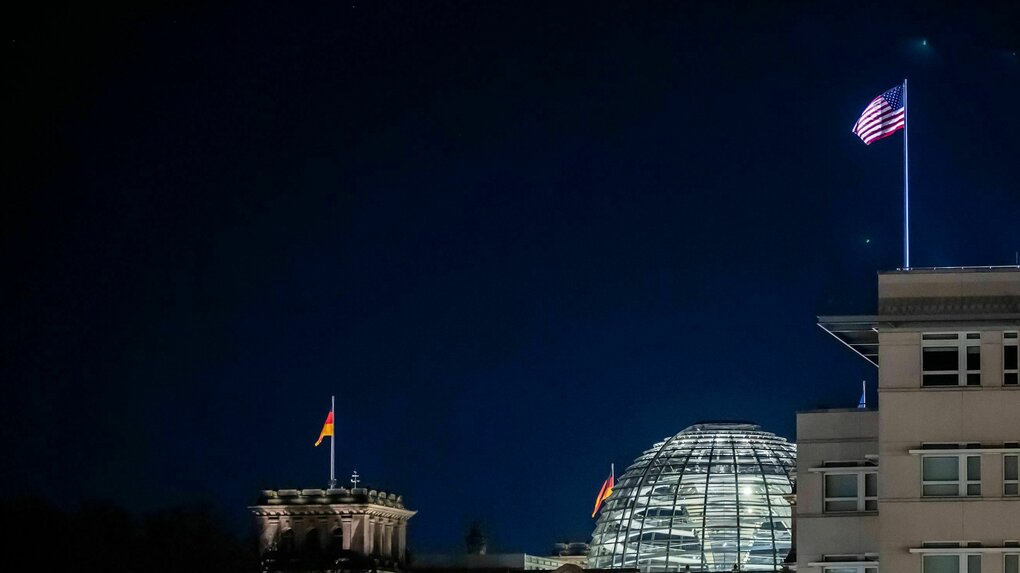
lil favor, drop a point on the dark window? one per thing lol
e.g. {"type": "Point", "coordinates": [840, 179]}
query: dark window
{"type": "Point", "coordinates": [940, 336]}
{"type": "Point", "coordinates": [941, 358]}
{"type": "Point", "coordinates": [1010, 365]}
{"type": "Point", "coordinates": [312, 546]}
{"type": "Point", "coordinates": [973, 358]}
{"type": "Point", "coordinates": [946, 365]}
{"type": "Point", "coordinates": [287, 541]}
{"type": "Point", "coordinates": [336, 541]}
{"type": "Point", "coordinates": [941, 380]}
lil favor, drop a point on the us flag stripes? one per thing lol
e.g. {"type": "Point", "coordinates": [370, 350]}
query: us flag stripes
{"type": "Point", "coordinates": [884, 116]}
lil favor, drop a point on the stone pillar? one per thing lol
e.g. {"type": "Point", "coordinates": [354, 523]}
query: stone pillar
{"type": "Point", "coordinates": [401, 551]}
{"type": "Point", "coordinates": [367, 534]}
{"type": "Point", "coordinates": [387, 539]}
{"type": "Point", "coordinates": [377, 530]}
{"type": "Point", "coordinates": [346, 526]}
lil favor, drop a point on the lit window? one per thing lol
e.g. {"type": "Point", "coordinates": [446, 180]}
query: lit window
{"type": "Point", "coordinates": [951, 564]}
{"type": "Point", "coordinates": [856, 491]}
{"type": "Point", "coordinates": [951, 359]}
{"type": "Point", "coordinates": [941, 476]}
{"type": "Point", "coordinates": [1010, 481]}
{"type": "Point", "coordinates": [1010, 360]}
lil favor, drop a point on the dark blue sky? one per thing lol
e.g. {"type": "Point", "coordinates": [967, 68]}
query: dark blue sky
{"type": "Point", "coordinates": [519, 241]}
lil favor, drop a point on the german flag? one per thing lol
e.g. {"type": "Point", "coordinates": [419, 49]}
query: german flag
{"type": "Point", "coordinates": [605, 491]}
{"type": "Point", "coordinates": [327, 428]}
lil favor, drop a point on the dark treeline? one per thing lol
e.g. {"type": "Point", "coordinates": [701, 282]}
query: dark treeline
{"type": "Point", "coordinates": [104, 537]}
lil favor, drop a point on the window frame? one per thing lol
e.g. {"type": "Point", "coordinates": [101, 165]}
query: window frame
{"type": "Point", "coordinates": [961, 343]}
{"type": "Point", "coordinates": [862, 568]}
{"type": "Point", "coordinates": [962, 481]}
{"type": "Point", "coordinates": [963, 556]}
{"type": "Point", "coordinates": [1006, 556]}
{"type": "Point", "coordinates": [861, 497]}
{"type": "Point", "coordinates": [1010, 339]}
{"type": "Point", "coordinates": [1014, 482]}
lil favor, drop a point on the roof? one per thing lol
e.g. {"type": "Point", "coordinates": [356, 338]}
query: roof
{"type": "Point", "coordinates": [967, 269]}
{"type": "Point", "coordinates": [358, 495]}
{"type": "Point", "coordinates": [859, 333]}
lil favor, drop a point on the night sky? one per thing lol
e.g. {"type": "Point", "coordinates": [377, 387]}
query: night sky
{"type": "Point", "coordinates": [518, 241]}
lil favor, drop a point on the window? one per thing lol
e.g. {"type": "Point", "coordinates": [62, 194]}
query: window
{"type": "Point", "coordinates": [1011, 563]}
{"type": "Point", "coordinates": [941, 476]}
{"type": "Point", "coordinates": [286, 543]}
{"type": "Point", "coordinates": [1010, 360]}
{"type": "Point", "coordinates": [852, 569]}
{"type": "Point", "coordinates": [856, 491]}
{"type": "Point", "coordinates": [1010, 481]}
{"type": "Point", "coordinates": [951, 359]}
{"type": "Point", "coordinates": [312, 545]}
{"type": "Point", "coordinates": [951, 564]}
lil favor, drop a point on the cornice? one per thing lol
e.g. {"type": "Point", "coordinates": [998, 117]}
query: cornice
{"type": "Point", "coordinates": [337, 510]}
{"type": "Point", "coordinates": [979, 305]}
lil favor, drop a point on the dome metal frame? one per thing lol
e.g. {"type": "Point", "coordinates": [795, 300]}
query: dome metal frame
{"type": "Point", "coordinates": [714, 496]}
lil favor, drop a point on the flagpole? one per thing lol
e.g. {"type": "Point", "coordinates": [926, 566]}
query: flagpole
{"type": "Point", "coordinates": [332, 439]}
{"type": "Point", "coordinates": [906, 185]}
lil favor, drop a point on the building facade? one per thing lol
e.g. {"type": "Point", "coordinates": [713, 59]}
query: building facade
{"type": "Point", "coordinates": [314, 529]}
{"type": "Point", "coordinates": [944, 456]}
{"type": "Point", "coordinates": [837, 491]}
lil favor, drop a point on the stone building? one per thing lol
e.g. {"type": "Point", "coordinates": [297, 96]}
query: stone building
{"type": "Point", "coordinates": [314, 529]}
{"type": "Point", "coordinates": [928, 483]}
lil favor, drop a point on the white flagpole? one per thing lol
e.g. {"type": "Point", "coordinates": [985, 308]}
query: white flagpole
{"type": "Point", "coordinates": [906, 185]}
{"type": "Point", "coordinates": [332, 439]}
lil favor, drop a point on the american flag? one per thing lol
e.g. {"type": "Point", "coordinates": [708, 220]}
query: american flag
{"type": "Point", "coordinates": [884, 116]}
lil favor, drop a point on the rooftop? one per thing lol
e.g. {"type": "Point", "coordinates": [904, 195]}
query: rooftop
{"type": "Point", "coordinates": [937, 297]}
{"type": "Point", "coordinates": [358, 495]}
{"type": "Point", "coordinates": [972, 269]}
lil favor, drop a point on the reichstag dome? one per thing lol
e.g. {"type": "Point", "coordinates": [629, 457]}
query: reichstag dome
{"type": "Point", "coordinates": [712, 497]}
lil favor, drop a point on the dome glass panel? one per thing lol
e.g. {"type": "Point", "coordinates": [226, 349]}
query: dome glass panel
{"type": "Point", "coordinates": [710, 498]}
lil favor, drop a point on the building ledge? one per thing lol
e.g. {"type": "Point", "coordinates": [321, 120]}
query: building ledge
{"type": "Point", "coordinates": [946, 270]}
{"type": "Point", "coordinates": [843, 563]}
{"type": "Point", "coordinates": [963, 451]}
{"type": "Point", "coordinates": [843, 514]}
{"type": "Point", "coordinates": [959, 550]}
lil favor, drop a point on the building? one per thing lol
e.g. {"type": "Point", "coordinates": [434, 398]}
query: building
{"type": "Point", "coordinates": [837, 459]}
{"type": "Point", "coordinates": [487, 562]}
{"type": "Point", "coordinates": [478, 559]}
{"type": "Point", "coordinates": [928, 483]}
{"type": "Point", "coordinates": [714, 497]}
{"type": "Point", "coordinates": [314, 529]}
{"type": "Point", "coordinates": [572, 552]}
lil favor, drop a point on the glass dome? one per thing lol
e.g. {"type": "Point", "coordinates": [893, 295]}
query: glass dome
{"type": "Point", "coordinates": [711, 497]}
